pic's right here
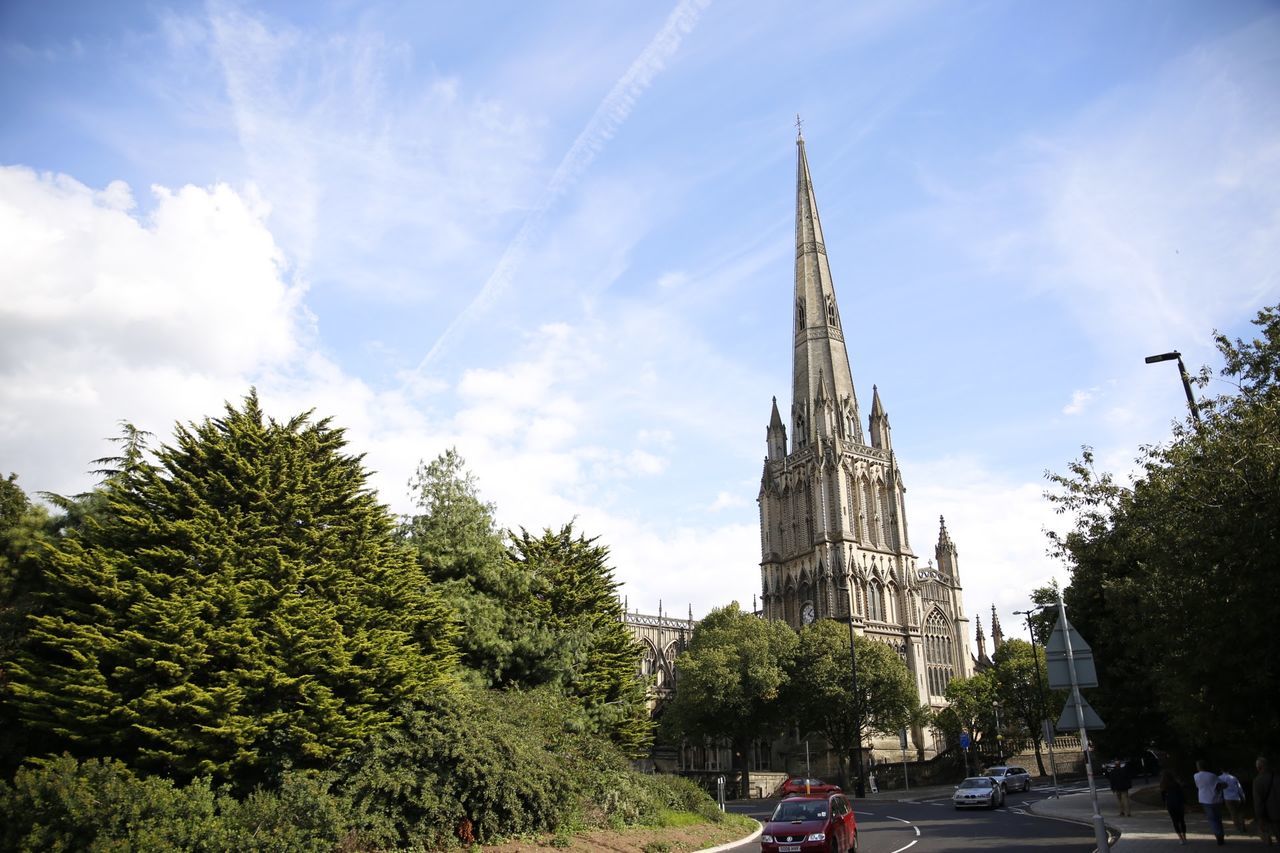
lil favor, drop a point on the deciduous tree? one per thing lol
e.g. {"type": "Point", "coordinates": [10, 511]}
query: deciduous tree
{"type": "Point", "coordinates": [822, 691]}
{"type": "Point", "coordinates": [732, 682]}
{"type": "Point", "coordinates": [1174, 578]}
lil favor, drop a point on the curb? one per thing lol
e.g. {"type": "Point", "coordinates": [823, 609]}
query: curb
{"type": "Point", "coordinates": [732, 844]}
{"type": "Point", "coordinates": [1113, 832]}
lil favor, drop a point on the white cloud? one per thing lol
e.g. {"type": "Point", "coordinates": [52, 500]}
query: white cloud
{"type": "Point", "coordinates": [106, 315]}
{"type": "Point", "coordinates": [727, 500]}
{"type": "Point", "coordinates": [1079, 399]}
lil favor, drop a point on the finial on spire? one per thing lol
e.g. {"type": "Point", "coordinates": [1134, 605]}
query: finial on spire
{"type": "Point", "coordinates": [799, 127]}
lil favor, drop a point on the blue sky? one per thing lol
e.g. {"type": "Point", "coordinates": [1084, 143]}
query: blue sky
{"type": "Point", "coordinates": [559, 236]}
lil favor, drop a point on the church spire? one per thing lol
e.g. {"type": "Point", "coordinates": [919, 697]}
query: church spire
{"type": "Point", "coordinates": [879, 422]}
{"type": "Point", "coordinates": [982, 643]}
{"type": "Point", "coordinates": [776, 435]}
{"type": "Point", "coordinates": [819, 340]}
{"type": "Point", "coordinates": [997, 636]}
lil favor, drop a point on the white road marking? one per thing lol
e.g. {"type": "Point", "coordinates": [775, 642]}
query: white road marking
{"type": "Point", "coordinates": [908, 847]}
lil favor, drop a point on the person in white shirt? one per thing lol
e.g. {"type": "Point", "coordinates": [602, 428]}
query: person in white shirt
{"type": "Point", "coordinates": [1233, 794]}
{"type": "Point", "coordinates": [1209, 793]}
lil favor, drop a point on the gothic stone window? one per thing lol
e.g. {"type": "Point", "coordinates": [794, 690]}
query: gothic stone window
{"type": "Point", "coordinates": [938, 657]}
{"type": "Point", "coordinates": [875, 602]}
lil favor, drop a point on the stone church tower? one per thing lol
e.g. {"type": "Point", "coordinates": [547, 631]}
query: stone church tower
{"type": "Point", "coordinates": [833, 523]}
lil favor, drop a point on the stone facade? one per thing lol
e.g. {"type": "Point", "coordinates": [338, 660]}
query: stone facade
{"type": "Point", "coordinates": [834, 538]}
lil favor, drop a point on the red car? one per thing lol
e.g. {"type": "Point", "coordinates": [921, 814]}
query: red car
{"type": "Point", "coordinates": [815, 823]}
{"type": "Point", "coordinates": [800, 785]}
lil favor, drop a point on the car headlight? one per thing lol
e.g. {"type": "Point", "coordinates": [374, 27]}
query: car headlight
{"type": "Point", "coordinates": [767, 839]}
{"type": "Point", "coordinates": [818, 836]}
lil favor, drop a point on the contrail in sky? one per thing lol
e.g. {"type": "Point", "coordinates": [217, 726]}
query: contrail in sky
{"type": "Point", "coordinates": [604, 123]}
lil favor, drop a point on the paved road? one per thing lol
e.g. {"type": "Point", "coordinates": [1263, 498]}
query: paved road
{"type": "Point", "coordinates": [933, 826]}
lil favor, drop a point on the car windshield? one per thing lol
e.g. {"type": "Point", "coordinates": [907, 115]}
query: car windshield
{"type": "Point", "coordinates": [996, 771]}
{"type": "Point", "coordinates": [975, 783]}
{"type": "Point", "coordinates": [789, 810]}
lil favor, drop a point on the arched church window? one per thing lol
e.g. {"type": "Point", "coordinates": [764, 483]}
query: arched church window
{"type": "Point", "coordinates": [831, 311]}
{"type": "Point", "coordinates": [939, 657]}
{"type": "Point", "coordinates": [800, 313]}
{"type": "Point", "coordinates": [875, 602]}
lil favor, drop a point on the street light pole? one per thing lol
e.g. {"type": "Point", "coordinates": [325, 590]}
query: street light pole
{"type": "Point", "coordinates": [995, 706]}
{"type": "Point", "coordinates": [858, 789]}
{"type": "Point", "coordinates": [1186, 380]}
{"type": "Point", "coordinates": [1099, 828]}
{"type": "Point", "coordinates": [1035, 656]}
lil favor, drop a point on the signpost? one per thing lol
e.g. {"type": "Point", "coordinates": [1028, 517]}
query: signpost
{"type": "Point", "coordinates": [964, 744]}
{"type": "Point", "coordinates": [902, 742]}
{"type": "Point", "coordinates": [1069, 655]}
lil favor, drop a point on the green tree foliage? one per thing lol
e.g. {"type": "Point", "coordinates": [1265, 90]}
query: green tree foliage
{"type": "Point", "coordinates": [98, 805]}
{"type": "Point", "coordinates": [461, 550]}
{"type": "Point", "coordinates": [576, 597]}
{"type": "Point", "coordinates": [969, 709]}
{"type": "Point", "coordinates": [1174, 578]}
{"type": "Point", "coordinates": [238, 607]}
{"type": "Point", "coordinates": [23, 526]}
{"type": "Point", "coordinates": [733, 682]}
{"type": "Point", "coordinates": [1022, 689]}
{"type": "Point", "coordinates": [821, 688]}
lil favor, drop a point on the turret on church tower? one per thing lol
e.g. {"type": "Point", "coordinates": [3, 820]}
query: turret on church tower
{"type": "Point", "coordinates": [833, 530]}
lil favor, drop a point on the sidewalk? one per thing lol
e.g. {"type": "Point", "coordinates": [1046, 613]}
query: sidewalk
{"type": "Point", "coordinates": [1148, 830]}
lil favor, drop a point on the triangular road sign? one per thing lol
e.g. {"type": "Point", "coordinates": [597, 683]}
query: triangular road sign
{"type": "Point", "coordinates": [1055, 653]}
{"type": "Point", "coordinates": [1069, 722]}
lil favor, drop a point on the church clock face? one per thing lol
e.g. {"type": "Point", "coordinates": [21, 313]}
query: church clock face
{"type": "Point", "coordinates": [806, 613]}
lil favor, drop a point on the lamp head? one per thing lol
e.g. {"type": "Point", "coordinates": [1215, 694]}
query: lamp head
{"type": "Point", "coordinates": [1164, 356]}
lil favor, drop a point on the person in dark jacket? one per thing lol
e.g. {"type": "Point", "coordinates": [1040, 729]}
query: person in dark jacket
{"type": "Point", "coordinates": [1266, 802]}
{"type": "Point", "coordinates": [1121, 782]}
{"type": "Point", "coordinates": [1175, 801]}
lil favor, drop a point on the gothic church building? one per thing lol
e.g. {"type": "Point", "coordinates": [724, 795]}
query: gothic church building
{"type": "Point", "coordinates": [833, 523]}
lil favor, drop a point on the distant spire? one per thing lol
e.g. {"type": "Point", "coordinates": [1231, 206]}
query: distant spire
{"type": "Point", "coordinates": [997, 636]}
{"type": "Point", "coordinates": [944, 538]}
{"type": "Point", "coordinates": [982, 642]}
{"type": "Point", "coordinates": [879, 422]}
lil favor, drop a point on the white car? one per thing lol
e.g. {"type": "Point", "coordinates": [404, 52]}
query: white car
{"type": "Point", "coordinates": [1010, 778]}
{"type": "Point", "coordinates": [978, 792]}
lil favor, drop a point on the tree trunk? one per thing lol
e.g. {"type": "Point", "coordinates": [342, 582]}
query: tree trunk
{"type": "Point", "coordinates": [1039, 757]}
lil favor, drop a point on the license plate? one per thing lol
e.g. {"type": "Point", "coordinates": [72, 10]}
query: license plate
{"type": "Point", "coordinates": [789, 848]}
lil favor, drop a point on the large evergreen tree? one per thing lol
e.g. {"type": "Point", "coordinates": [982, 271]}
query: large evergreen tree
{"type": "Point", "coordinates": [236, 607]}
{"type": "Point", "coordinates": [576, 597]}
{"type": "Point", "coordinates": [458, 544]}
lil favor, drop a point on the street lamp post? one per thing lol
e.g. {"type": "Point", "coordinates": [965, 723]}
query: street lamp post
{"type": "Point", "coordinates": [1035, 656]}
{"type": "Point", "coordinates": [1186, 380]}
{"type": "Point", "coordinates": [858, 789]}
{"type": "Point", "coordinates": [995, 706]}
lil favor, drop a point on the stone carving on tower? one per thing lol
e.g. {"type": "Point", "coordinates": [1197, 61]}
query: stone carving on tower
{"type": "Point", "coordinates": [833, 526]}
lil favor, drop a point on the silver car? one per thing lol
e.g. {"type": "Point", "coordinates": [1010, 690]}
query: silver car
{"type": "Point", "coordinates": [978, 792]}
{"type": "Point", "coordinates": [1010, 778]}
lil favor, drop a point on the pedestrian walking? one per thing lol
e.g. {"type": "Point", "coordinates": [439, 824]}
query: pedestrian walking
{"type": "Point", "coordinates": [1175, 802]}
{"type": "Point", "coordinates": [1233, 796]}
{"type": "Point", "coordinates": [1266, 802]}
{"type": "Point", "coordinates": [1209, 794]}
{"type": "Point", "coordinates": [1121, 782]}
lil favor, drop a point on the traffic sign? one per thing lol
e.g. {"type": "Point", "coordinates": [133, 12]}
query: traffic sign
{"type": "Point", "coordinates": [1070, 721]}
{"type": "Point", "coordinates": [1055, 653]}
{"type": "Point", "coordinates": [964, 740]}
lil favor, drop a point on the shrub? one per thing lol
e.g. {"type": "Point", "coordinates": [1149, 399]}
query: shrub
{"type": "Point", "coordinates": [61, 804]}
